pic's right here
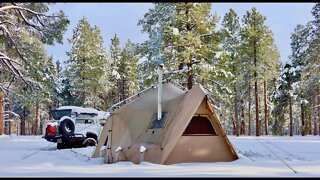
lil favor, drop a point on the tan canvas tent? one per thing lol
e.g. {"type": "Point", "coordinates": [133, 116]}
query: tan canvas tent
{"type": "Point", "coordinates": [189, 130]}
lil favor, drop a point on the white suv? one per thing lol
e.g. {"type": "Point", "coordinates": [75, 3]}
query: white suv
{"type": "Point", "coordinates": [75, 126]}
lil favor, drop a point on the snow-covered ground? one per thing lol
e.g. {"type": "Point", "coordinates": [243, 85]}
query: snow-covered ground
{"type": "Point", "coordinates": [264, 156]}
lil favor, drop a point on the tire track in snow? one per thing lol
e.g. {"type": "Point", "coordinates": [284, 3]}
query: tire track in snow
{"type": "Point", "coordinates": [42, 149]}
{"type": "Point", "coordinates": [281, 149]}
{"type": "Point", "coordinates": [263, 143]}
{"type": "Point", "coordinates": [80, 154]}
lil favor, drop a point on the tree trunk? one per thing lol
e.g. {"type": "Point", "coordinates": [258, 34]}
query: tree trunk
{"type": "Point", "coordinates": [318, 104]}
{"type": "Point", "coordinates": [189, 64]}
{"type": "Point", "coordinates": [265, 108]}
{"type": "Point", "coordinates": [50, 114]}
{"type": "Point", "coordinates": [249, 110]}
{"type": "Point", "coordinates": [242, 117]}
{"type": "Point", "coordinates": [10, 116]}
{"type": "Point", "coordinates": [37, 119]}
{"type": "Point", "coordinates": [314, 102]}
{"type": "Point", "coordinates": [190, 76]}
{"type": "Point", "coordinates": [236, 112]}
{"type": "Point", "coordinates": [1, 111]}
{"type": "Point", "coordinates": [122, 88]}
{"type": "Point", "coordinates": [96, 95]}
{"type": "Point", "coordinates": [23, 122]}
{"type": "Point", "coordinates": [28, 128]}
{"type": "Point", "coordinates": [310, 121]}
{"type": "Point", "coordinates": [290, 109]}
{"type": "Point", "coordinates": [257, 108]}
{"type": "Point", "coordinates": [233, 127]}
{"type": "Point", "coordinates": [83, 97]}
{"type": "Point", "coordinates": [243, 127]}
{"type": "Point", "coordinates": [256, 89]}
{"type": "Point", "coordinates": [315, 125]}
{"type": "Point", "coordinates": [302, 120]}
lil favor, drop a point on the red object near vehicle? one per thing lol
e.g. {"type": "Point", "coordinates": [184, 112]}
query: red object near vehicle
{"type": "Point", "coordinates": [50, 130]}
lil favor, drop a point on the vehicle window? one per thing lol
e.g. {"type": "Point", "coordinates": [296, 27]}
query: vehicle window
{"type": "Point", "coordinates": [84, 121]}
{"type": "Point", "coordinates": [57, 114]}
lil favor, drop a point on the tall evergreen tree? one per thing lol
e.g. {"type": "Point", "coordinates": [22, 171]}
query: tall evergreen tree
{"type": "Point", "coordinates": [127, 69]}
{"type": "Point", "coordinates": [113, 73]}
{"type": "Point", "coordinates": [283, 97]}
{"type": "Point", "coordinates": [257, 39]}
{"type": "Point", "coordinates": [189, 42]}
{"type": "Point", "coordinates": [305, 56]}
{"type": "Point", "coordinates": [270, 70]}
{"type": "Point", "coordinates": [86, 65]}
{"type": "Point", "coordinates": [231, 45]}
{"type": "Point", "coordinates": [154, 22]}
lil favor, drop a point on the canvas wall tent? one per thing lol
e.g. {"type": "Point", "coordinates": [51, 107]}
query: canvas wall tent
{"type": "Point", "coordinates": [189, 130]}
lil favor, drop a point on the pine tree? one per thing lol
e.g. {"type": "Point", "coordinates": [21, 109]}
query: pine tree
{"type": "Point", "coordinates": [231, 45]}
{"type": "Point", "coordinates": [127, 69]}
{"type": "Point", "coordinates": [154, 22]}
{"type": "Point", "coordinates": [299, 56]}
{"type": "Point", "coordinates": [269, 69]}
{"type": "Point", "coordinates": [187, 42]}
{"type": "Point", "coordinates": [257, 41]}
{"type": "Point", "coordinates": [26, 28]}
{"type": "Point", "coordinates": [310, 65]}
{"type": "Point", "coordinates": [283, 97]}
{"type": "Point", "coordinates": [181, 35]}
{"type": "Point", "coordinates": [86, 65]}
{"type": "Point", "coordinates": [113, 73]}
{"type": "Point", "coordinates": [19, 22]}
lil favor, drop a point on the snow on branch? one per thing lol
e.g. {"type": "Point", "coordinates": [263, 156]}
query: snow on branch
{"type": "Point", "coordinates": [10, 25]}
{"type": "Point", "coordinates": [13, 113]}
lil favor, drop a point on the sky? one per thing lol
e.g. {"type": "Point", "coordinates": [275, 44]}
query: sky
{"type": "Point", "coordinates": [122, 19]}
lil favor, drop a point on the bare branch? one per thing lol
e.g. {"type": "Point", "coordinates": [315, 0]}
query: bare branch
{"type": "Point", "coordinates": [5, 90]}
{"type": "Point", "coordinates": [15, 45]}
{"type": "Point", "coordinates": [11, 81]}
{"type": "Point", "coordinates": [7, 22]}
{"type": "Point", "coordinates": [5, 8]}
{"type": "Point", "coordinates": [8, 59]}
{"type": "Point", "coordinates": [10, 68]}
{"type": "Point", "coordinates": [27, 22]}
{"type": "Point", "coordinates": [13, 69]}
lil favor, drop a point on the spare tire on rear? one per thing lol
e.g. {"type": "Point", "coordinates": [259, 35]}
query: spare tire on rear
{"type": "Point", "coordinates": [66, 128]}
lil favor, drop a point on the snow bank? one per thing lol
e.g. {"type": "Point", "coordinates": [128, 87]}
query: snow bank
{"type": "Point", "coordinates": [264, 156]}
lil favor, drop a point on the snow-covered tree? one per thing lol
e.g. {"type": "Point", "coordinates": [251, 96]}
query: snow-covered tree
{"type": "Point", "coordinates": [258, 45]}
{"type": "Point", "coordinates": [231, 45]}
{"type": "Point", "coordinates": [86, 66]}
{"type": "Point", "coordinates": [128, 71]}
{"type": "Point", "coordinates": [189, 43]}
{"type": "Point", "coordinates": [154, 23]}
{"type": "Point", "coordinates": [113, 74]}
{"type": "Point", "coordinates": [122, 70]}
{"type": "Point", "coordinates": [305, 58]}
{"type": "Point", "coordinates": [25, 71]}
{"type": "Point", "coordinates": [18, 23]}
{"type": "Point", "coordinates": [283, 97]}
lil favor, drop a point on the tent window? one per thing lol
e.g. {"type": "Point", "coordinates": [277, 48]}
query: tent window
{"type": "Point", "coordinates": [200, 126]}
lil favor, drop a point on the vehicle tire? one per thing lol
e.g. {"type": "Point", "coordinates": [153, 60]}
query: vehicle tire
{"type": "Point", "coordinates": [92, 135]}
{"type": "Point", "coordinates": [66, 128]}
{"type": "Point", "coordinates": [60, 146]}
{"type": "Point", "coordinates": [89, 142]}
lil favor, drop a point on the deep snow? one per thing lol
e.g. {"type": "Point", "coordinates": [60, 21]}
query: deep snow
{"type": "Point", "coordinates": [264, 156]}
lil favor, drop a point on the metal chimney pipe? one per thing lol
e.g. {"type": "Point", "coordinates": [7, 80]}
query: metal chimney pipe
{"type": "Point", "coordinates": [160, 91]}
